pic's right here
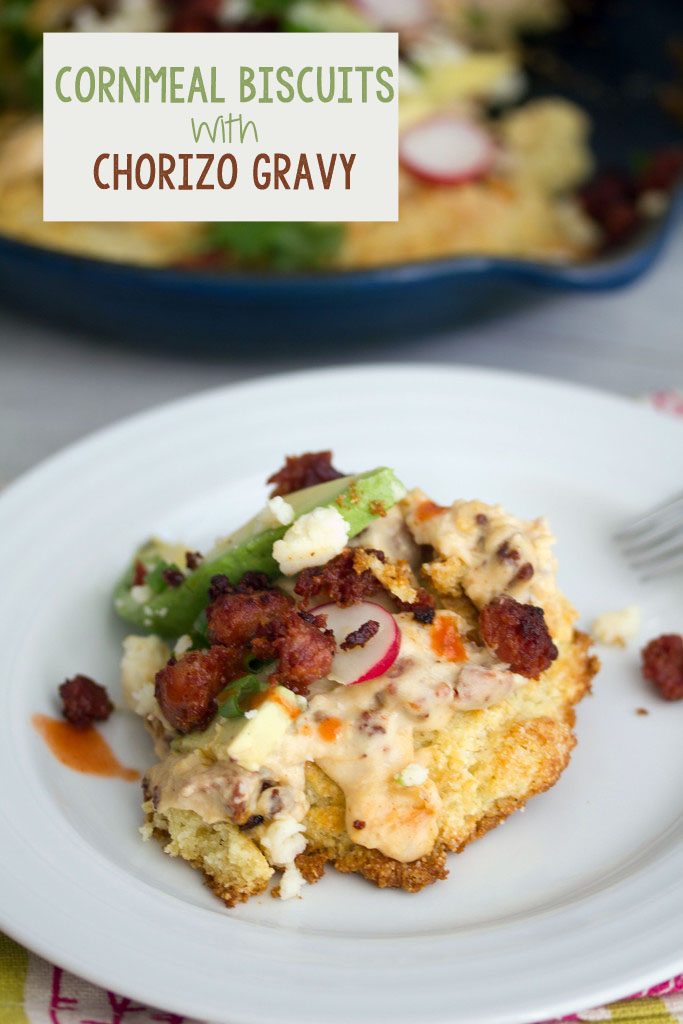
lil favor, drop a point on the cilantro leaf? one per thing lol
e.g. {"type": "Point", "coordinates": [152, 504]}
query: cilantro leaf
{"type": "Point", "coordinates": [281, 246]}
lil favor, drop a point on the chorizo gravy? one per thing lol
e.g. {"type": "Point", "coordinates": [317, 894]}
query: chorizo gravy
{"type": "Point", "coordinates": [358, 676]}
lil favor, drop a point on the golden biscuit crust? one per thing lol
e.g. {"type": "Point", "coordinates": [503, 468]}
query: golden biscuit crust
{"type": "Point", "coordinates": [486, 765]}
{"type": "Point", "coordinates": [232, 864]}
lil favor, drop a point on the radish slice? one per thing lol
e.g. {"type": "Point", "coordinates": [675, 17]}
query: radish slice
{"type": "Point", "coordinates": [359, 664]}
{"type": "Point", "coordinates": [399, 15]}
{"type": "Point", "coordinates": [447, 150]}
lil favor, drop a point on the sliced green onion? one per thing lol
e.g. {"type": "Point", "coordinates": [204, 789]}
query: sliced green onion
{"type": "Point", "coordinates": [234, 695]}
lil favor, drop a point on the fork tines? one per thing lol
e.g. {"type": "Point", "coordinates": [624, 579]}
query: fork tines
{"type": "Point", "coordinates": [653, 544]}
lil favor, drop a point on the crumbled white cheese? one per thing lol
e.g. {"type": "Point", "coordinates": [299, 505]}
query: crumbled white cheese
{"type": "Point", "coordinates": [291, 883]}
{"type": "Point", "coordinates": [143, 657]}
{"type": "Point", "coordinates": [141, 593]}
{"type": "Point", "coordinates": [283, 840]}
{"type": "Point", "coordinates": [617, 628]}
{"type": "Point", "coordinates": [251, 714]}
{"type": "Point", "coordinates": [144, 702]}
{"type": "Point", "coordinates": [312, 540]}
{"type": "Point", "coordinates": [281, 510]}
{"type": "Point", "coordinates": [183, 645]}
{"type": "Point", "coordinates": [412, 775]}
{"type": "Point", "coordinates": [277, 512]}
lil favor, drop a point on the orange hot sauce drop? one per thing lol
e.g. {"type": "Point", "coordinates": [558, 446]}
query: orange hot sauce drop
{"type": "Point", "coordinates": [446, 642]}
{"type": "Point", "coordinates": [427, 510]}
{"type": "Point", "coordinates": [329, 729]}
{"type": "Point", "coordinates": [83, 750]}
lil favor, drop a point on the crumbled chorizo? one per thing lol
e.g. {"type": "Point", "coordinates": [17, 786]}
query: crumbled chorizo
{"type": "Point", "coordinates": [423, 608]}
{"type": "Point", "coordinates": [303, 651]}
{"type": "Point", "coordinates": [524, 574]}
{"type": "Point", "coordinates": [267, 623]}
{"type": "Point", "coordinates": [173, 576]}
{"type": "Point", "coordinates": [249, 583]}
{"type": "Point", "coordinates": [610, 200]}
{"type": "Point", "coordinates": [303, 471]}
{"type": "Point", "coordinates": [194, 15]}
{"type": "Point", "coordinates": [613, 199]}
{"type": "Point", "coordinates": [370, 724]}
{"type": "Point", "coordinates": [234, 619]}
{"type": "Point", "coordinates": [271, 802]}
{"type": "Point", "coordinates": [187, 689]}
{"type": "Point", "coordinates": [315, 620]}
{"type": "Point", "coordinates": [220, 584]}
{"type": "Point", "coordinates": [519, 635]}
{"type": "Point", "coordinates": [84, 701]}
{"type": "Point", "coordinates": [139, 573]}
{"type": "Point", "coordinates": [662, 665]}
{"type": "Point", "coordinates": [252, 822]}
{"type": "Point", "coordinates": [253, 581]}
{"type": "Point", "coordinates": [506, 553]}
{"type": "Point", "coordinates": [193, 559]}
{"type": "Point", "coordinates": [359, 637]}
{"type": "Point", "coordinates": [339, 581]}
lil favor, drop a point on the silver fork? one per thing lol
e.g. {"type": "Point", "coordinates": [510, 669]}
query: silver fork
{"type": "Point", "coordinates": [653, 543]}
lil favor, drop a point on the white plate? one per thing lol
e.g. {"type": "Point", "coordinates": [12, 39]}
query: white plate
{"type": "Point", "coordinates": [577, 901]}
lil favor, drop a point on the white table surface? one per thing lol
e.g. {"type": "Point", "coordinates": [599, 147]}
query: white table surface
{"type": "Point", "coordinates": [54, 387]}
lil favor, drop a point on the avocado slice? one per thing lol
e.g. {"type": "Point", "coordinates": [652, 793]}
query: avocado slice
{"type": "Point", "coordinates": [172, 611]}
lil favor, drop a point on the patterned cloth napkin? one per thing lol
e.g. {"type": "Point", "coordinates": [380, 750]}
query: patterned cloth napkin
{"type": "Point", "coordinates": [35, 992]}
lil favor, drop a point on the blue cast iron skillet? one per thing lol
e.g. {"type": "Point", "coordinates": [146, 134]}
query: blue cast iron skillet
{"type": "Point", "coordinates": [613, 62]}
